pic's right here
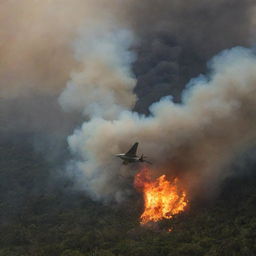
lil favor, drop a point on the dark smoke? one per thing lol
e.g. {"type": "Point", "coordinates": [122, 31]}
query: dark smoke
{"type": "Point", "coordinates": [179, 37]}
{"type": "Point", "coordinates": [172, 41]}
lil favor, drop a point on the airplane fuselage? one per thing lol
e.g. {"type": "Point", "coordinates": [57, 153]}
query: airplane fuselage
{"type": "Point", "coordinates": [129, 159]}
{"type": "Point", "coordinates": [131, 156]}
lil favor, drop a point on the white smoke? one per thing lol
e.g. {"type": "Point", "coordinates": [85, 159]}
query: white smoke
{"type": "Point", "coordinates": [104, 86]}
{"type": "Point", "coordinates": [196, 139]}
{"type": "Point", "coordinates": [101, 90]}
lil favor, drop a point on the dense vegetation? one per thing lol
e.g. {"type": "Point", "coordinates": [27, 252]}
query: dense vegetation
{"type": "Point", "coordinates": [41, 216]}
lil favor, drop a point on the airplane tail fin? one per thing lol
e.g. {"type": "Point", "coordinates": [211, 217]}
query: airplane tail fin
{"type": "Point", "coordinates": [133, 150]}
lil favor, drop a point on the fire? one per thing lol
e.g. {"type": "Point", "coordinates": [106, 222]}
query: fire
{"type": "Point", "coordinates": [162, 198]}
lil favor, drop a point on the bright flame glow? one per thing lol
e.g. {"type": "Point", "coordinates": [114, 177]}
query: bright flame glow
{"type": "Point", "coordinates": [162, 198]}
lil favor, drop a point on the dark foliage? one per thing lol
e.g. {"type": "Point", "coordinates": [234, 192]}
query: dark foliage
{"type": "Point", "coordinates": [41, 216]}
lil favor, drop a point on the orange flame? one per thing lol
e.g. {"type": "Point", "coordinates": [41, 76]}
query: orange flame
{"type": "Point", "coordinates": [162, 198]}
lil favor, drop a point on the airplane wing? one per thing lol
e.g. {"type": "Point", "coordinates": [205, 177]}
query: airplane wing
{"type": "Point", "coordinates": [133, 150]}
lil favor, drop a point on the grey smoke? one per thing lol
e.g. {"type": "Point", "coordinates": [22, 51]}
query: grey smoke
{"type": "Point", "coordinates": [106, 70]}
{"type": "Point", "coordinates": [195, 140]}
{"type": "Point", "coordinates": [36, 49]}
{"type": "Point", "coordinates": [179, 37]}
{"type": "Point", "coordinates": [157, 45]}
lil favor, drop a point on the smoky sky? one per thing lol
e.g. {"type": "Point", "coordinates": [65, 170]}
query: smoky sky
{"type": "Point", "coordinates": [179, 37]}
{"type": "Point", "coordinates": [66, 63]}
{"type": "Point", "coordinates": [175, 39]}
{"type": "Point", "coordinates": [196, 139]}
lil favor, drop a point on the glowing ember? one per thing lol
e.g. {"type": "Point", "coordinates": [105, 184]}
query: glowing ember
{"type": "Point", "coordinates": [162, 198]}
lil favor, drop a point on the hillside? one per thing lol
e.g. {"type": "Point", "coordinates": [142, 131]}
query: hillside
{"type": "Point", "coordinates": [42, 216]}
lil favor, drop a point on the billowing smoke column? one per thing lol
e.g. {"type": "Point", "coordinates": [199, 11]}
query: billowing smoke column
{"type": "Point", "coordinates": [195, 140]}
{"type": "Point", "coordinates": [175, 40]}
{"type": "Point", "coordinates": [102, 90]}
{"type": "Point", "coordinates": [105, 85]}
{"type": "Point", "coordinates": [172, 40]}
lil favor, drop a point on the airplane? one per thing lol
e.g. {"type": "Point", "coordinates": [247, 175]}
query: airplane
{"type": "Point", "coordinates": [131, 157]}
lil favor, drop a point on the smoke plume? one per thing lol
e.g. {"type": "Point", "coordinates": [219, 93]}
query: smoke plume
{"type": "Point", "coordinates": [36, 49]}
{"type": "Point", "coordinates": [179, 37]}
{"type": "Point", "coordinates": [105, 85]}
{"type": "Point", "coordinates": [110, 62]}
{"type": "Point", "coordinates": [176, 37]}
{"type": "Point", "coordinates": [196, 139]}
